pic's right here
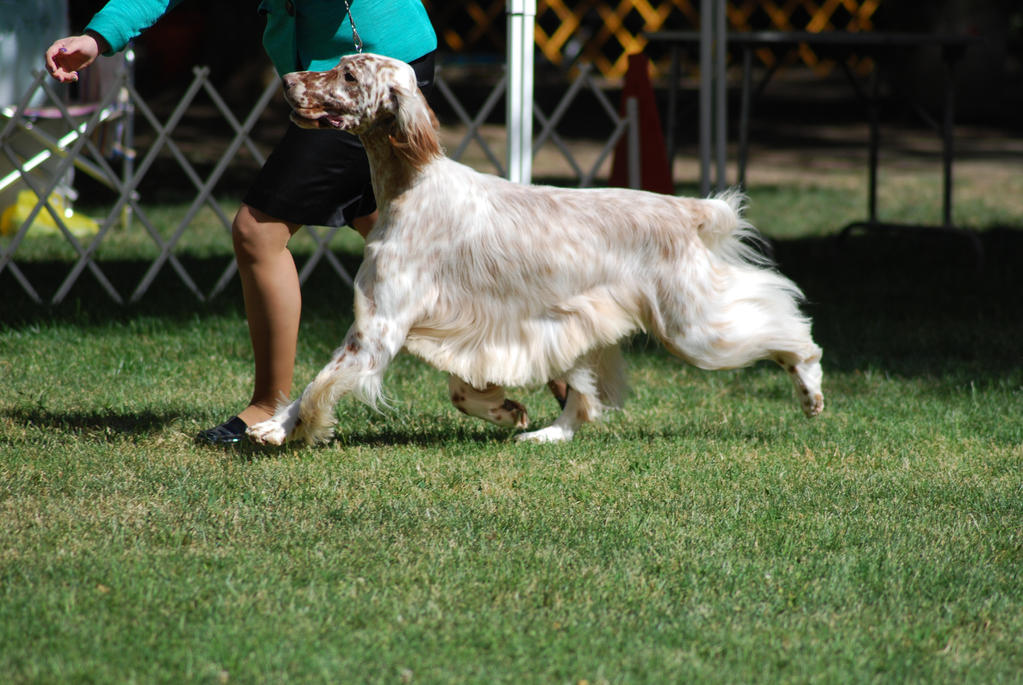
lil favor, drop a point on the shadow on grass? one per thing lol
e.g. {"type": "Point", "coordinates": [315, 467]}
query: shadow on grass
{"type": "Point", "coordinates": [395, 437]}
{"type": "Point", "coordinates": [394, 434]}
{"type": "Point", "coordinates": [168, 296]}
{"type": "Point", "coordinates": [907, 304]}
{"type": "Point", "coordinates": [913, 304]}
{"type": "Point", "coordinates": [112, 425]}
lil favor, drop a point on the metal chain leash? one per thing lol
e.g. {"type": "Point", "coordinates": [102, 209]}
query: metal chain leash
{"type": "Point", "coordinates": [356, 40]}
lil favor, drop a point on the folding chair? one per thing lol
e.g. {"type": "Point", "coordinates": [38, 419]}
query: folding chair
{"type": "Point", "coordinates": [50, 133]}
{"type": "Point", "coordinates": [36, 138]}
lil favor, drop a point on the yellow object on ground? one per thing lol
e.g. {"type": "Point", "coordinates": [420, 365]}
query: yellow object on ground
{"type": "Point", "coordinates": [14, 216]}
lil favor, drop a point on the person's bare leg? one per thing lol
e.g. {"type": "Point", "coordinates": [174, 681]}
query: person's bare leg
{"type": "Point", "coordinates": [273, 305]}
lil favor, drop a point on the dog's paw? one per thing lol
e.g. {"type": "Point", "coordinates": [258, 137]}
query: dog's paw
{"type": "Point", "coordinates": [546, 435]}
{"type": "Point", "coordinates": [511, 414]}
{"type": "Point", "coordinates": [813, 405]}
{"type": "Point", "coordinates": [267, 433]}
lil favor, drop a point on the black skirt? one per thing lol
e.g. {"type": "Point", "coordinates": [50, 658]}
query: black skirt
{"type": "Point", "coordinates": [321, 177]}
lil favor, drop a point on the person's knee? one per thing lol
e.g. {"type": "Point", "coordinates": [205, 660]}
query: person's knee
{"type": "Point", "coordinates": [256, 236]}
{"type": "Point", "coordinates": [245, 236]}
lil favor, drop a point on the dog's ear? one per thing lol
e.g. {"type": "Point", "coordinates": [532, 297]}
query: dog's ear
{"type": "Point", "coordinates": [414, 136]}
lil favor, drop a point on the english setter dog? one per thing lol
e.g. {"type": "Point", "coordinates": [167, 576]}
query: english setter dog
{"type": "Point", "coordinates": [501, 284]}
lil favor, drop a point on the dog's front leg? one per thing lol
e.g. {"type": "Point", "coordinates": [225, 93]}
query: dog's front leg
{"type": "Point", "coordinates": [575, 413]}
{"type": "Point", "coordinates": [275, 430]}
{"type": "Point", "coordinates": [357, 367]}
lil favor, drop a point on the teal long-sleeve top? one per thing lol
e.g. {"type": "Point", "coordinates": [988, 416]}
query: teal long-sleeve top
{"type": "Point", "coordinates": [300, 34]}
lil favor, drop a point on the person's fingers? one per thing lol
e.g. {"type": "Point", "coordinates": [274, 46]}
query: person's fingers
{"type": "Point", "coordinates": [57, 63]}
{"type": "Point", "coordinates": [51, 54]}
{"type": "Point", "coordinates": [67, 55]}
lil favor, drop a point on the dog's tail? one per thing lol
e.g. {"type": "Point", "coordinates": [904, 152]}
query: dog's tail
{"type": "Point", "coordinates": [729, 236]}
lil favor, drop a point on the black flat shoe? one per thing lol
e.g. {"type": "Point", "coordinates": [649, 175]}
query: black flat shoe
{"type": "Point", "coordinates": [227, 433]}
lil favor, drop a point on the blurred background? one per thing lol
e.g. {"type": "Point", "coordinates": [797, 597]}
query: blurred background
{"type": "Point", "coordinates": [808, 128]}
{"type": "Point", "coordinates": [807, 88]}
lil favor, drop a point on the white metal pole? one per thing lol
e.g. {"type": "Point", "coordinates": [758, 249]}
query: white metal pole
{"type": "Point", "coordinates": [635, 162]}
{"type": "Point", "coordinates": [519, 102]}
{"type": "Point", "coordinates": [721, 93]}
{"type": "Point", "coordinates": [706, 95]}
{"type": "Point", "coordinates": [713, 93]}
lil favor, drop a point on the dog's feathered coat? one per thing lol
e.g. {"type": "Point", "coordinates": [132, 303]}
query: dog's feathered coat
{"type": "Point", "coordinates": [502, 284]}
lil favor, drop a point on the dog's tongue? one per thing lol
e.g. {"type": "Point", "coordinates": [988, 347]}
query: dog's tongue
{"type": "Point", "coordinates": [332, 119]}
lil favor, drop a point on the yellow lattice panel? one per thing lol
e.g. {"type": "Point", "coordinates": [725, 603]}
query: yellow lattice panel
{"type": "Point", "coordinates": [613, 32]}
{"type": "Point", "coordinates": [818, 16]}
{"type": "Point", "coordinates": [486, 26]}
{"type": "Point", "coordinates": [478, 25]}
{"type": "Point", "coordinates": [553, 45]}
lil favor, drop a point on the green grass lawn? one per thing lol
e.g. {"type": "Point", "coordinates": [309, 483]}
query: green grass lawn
{"type": "Point", "coordinates": [707, 533]}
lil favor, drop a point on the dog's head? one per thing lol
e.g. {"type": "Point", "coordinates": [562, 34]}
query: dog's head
{"type": "Point", "coordinates": [365, 93]}
{"type": "Point", "coordinates": [360, 91]}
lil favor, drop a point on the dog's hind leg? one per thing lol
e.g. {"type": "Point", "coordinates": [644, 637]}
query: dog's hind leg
{"type": "Point", "coordinates": [738, 342]}
{"type": "Point", "coordinates": [806, 375]}
{"type": "Point", "coordinates": [489, 404]}
{"type": "Point", "coordinates": [741, 315]}
{"type": "Point", "coordinates": [793, 349]}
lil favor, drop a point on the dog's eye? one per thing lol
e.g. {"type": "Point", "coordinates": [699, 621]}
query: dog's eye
{"type": "Point", "coordinates": [349, 77]}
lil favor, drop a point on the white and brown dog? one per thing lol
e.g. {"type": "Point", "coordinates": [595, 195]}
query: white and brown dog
{"type": "Point", "coordinates": [501, 284]}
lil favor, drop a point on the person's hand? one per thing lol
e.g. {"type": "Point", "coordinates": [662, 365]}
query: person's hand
{"type": "Point", "coordinates": [67, 55]}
